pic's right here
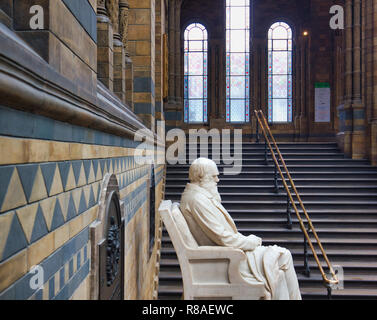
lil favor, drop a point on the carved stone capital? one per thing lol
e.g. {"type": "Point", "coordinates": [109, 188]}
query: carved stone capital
{"type": "Point", "coordinates": [101, 7]}
{"type": "Point", "coordinates": [112, 7]}
{"type": "Point", "coordinates": [123, 23]}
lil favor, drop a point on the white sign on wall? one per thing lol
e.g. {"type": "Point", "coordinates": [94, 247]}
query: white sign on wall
{"type": "Point", "coordinates": [322, 102]}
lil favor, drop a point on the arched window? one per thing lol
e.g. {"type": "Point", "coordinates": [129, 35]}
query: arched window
{"type": "Point", "coordinates": [196, 74]}
{"type": "Point", "coordinates": [237, 60]}
{"type": "Point", "coordinates": [280, 73]}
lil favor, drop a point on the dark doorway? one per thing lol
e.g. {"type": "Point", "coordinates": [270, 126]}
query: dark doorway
{"type": "Point", "coordinates": [152, 213]}
{"type": "Point", "coordinates": [111, 253]}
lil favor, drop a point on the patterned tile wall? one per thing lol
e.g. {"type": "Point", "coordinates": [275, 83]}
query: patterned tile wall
{"type": "Point", "coordinates": [63, 271]}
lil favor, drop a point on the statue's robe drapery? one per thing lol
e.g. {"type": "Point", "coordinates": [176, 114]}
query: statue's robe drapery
{"type": "Point", "coordinates": [211, 225]}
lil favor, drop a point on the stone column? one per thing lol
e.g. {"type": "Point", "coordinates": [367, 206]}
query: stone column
{"type": "Point", "coordinates": [255, 84]}
{"type": "Point", "coordinates": [178, 56]}
{"type": "Point", "coordinates": [172, 64]}
{"type": "Point", "coordinates": [124, 9]}
{"type": "Point", "coordinates": [373, 124]}
{"type": "Point", "coordinates": [305, 85]}
{"type": "Point", "coordinates": [119, 53]}
{"type": "Point", "coordinates": [338, 83]}
{"type": "Point", "coordinates": [358, 112]}
{"type": "Point", "coordinates": [105, 48]}
{"type": "Point", "coordinates": [348, 123]}
{"type": "Point", "coordinates": [141, 36]}
{"type": "Point", "coordinates": [297, 90]}
{"type": "Point", "coordinates": [160, 29]}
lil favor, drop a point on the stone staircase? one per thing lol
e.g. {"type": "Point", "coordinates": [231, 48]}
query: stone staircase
{"type": "Point", "coordinates": [339, 194]}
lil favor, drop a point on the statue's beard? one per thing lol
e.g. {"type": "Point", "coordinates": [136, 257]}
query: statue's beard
{"type": "Point", "coordinates": [211, 187]}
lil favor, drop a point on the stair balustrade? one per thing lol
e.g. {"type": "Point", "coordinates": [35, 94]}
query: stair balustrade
{"type": "Point", "coordinates": [265, 128]}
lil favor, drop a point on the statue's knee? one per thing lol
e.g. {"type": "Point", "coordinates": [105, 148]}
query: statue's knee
{"type": "Point", "coordinates": [286, 258]}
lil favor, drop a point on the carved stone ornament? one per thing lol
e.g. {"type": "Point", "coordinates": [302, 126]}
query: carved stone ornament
{"type": "Point", "coordinates": [112, 7]}
{"type": "Point", "coordinates": [113, 252]}
{"type": "Point", "coordinates": [123, 19]}
{"type": "Point", "coordinates": [101, 7]}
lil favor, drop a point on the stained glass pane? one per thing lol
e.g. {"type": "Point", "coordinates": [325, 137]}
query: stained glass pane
{"type": "Point", "coordinates": [280, 110]}
{"type": "Point", "coordinates": [195, 74]}
{"type": "Point", "coordinates": [289, 95]}
{"type": "Point", "coordinates": [237, 89]}
{"type": "Point", "coordinates": [196, 87]}
{"type": "Point", "coordinates": [186, 94]}
{"type": "Point", "coordinates": [280, 45]}
{"type": "Point", "coordinates": [237, 17]}
{"type": "Point", "coordinates": [280, 33]}
{"type": "Point", "coordinates": [195, 34]}
{"type": "Point", "coordinates": [237, 41]}
{"type": "Point", "coordinates": [280, 62]}
{"type": "Point", "coordinates": [237, 60]}
{"type": "Point", "coordinates": [196, 110]}
{"type": "Point", "coordinates": [205, 34]}
{"type": "Point", "coordinates": [186, 63]}
{"type": "Point", "coordinates": [280, 73]}
{"type": "Point", "coordinates": [238, 63]}
{"type": "Point", "coordinates": [235, 3]}
{"type": "Point", "coordinates": [196, 45]}
{"type": "Point", "coordinates": [196, 64]}
{"type": "Point", "coordinates": [289, 32]}
{"type": "Point", "coordinates": [237, 110]}
{"type": "Point", "coordinates": [279, 85]}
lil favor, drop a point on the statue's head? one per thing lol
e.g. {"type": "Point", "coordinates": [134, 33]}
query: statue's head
{"type": "Point", "coordinates": [204, 172]}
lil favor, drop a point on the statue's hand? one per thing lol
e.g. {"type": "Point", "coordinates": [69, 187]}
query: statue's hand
{"type": "Point", "coordinates": [256, 241]}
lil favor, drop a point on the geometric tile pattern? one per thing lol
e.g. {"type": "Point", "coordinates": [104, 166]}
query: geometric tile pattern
{"type": "Point", "coordinates": [28, 183]}
{"type": "Point", "coordinates": [64, 283]}
{"type": "Point", "coordinates": [57, 192]}
{"type": "Point", "coordinates": [64, 270]}
{"type": "Point", "coordinates": [32, 222]}
{"type": "Point", "coordinates": [134, 200]}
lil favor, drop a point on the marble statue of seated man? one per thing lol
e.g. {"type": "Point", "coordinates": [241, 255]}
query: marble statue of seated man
{"type": "Point", "coordinates": [211, 225]}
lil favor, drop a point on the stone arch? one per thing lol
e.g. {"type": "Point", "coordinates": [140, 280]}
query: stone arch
{"type": "Point", "coordinates": [107, 244]}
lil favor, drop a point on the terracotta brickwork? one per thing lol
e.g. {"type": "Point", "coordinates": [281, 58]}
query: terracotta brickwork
{"type": "Point", "coordinates": [66, 125]}
{"type": "Point", "coordinates": [141, 36]}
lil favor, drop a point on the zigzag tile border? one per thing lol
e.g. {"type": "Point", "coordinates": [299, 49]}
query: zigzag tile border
{"type": "Point", "coordinates": [30, 222]}
{"type": "Point", "coordinates": [62, 272]}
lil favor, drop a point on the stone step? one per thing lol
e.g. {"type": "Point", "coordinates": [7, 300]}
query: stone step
{"type": "Point", "coordinates": [309, 205]}
{"type": "Point", "coordinates": [281, 205]}
{"type": "Point", "coordinates": [350, 280]}
{"type": "Point", "coordinates": [259, 146]}
{"type": "Point", "coordinates": [248, 160]}
{"type": "Point", "coordinates": [281, 196]}
{"type": "Point", "coordinates": [269, 175]}
{"type": "Point", "coordinates": [260, 155]}
{"type": "Point", "coordinates": [341, 188]}
{"type": "Point", "coordinates": [248, 168]}
{"type": "Point", "coordinates": [307, 293]}
{"type": "Point", "coordinates": [242, 183]}
{"type": "Point", "coordinates": [170, 264]}
{"type": "Point", "coordinates": [296, 233]}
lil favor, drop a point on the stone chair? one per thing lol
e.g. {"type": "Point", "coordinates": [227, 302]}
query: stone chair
{"type": "Point", "coordinates": [208, 272]}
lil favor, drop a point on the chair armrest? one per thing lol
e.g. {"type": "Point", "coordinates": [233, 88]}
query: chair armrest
{"type": "Point", "coordinates": [235, 257]}
{"type": "Point", "coordinates": [215, 252]}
